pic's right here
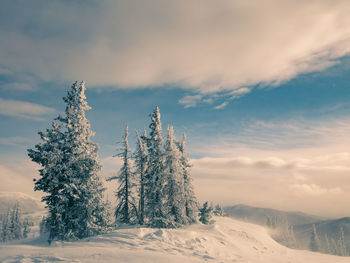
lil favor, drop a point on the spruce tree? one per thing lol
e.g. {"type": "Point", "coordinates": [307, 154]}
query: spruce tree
{"type": "Point", "coordinates": [26, 228]}
{"type": "Point", "coordinates": [191, 203]}
{"type": "Point", "coordinates": [16, 223]}
{"type": "Point", "coordinates": [5, 229]}
{"type": "Point", "coordinates": [342, 243]}
{"type": "Point", "coordinates": [205, 214]}
{"type": "Point", "coordinates": [156, 180]}
{"type": "Point", "coordinates": [173, 170]}
{"type": "Point", "coordinates": [141, 164]}
{"type": "Point", "coordinates": [126, 209]}
{"type": "Point", "coordinates": [50, 154]}
{"type": "Point", "coordinates": [218, 211]}
{"type": "Point", "coordinates": [69, 173]}
{"type": "Point", "coordinates": [315, 244]}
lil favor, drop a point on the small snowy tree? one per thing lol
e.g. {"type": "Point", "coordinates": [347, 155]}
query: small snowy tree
{"type": "Point", "coordinates": [218, 211]}
{"type": "Point", "coordinates": [126, 209]}
{"type": "Point", "coordinates": [205, 214]}
{"type": "Point", "coordinates": [327, 247]}
{"type": "Point", "coordinates": [26, 227]}
{"type": "Point", "coordinates": [173, 170]}
{"type": "Point", "coordinates": [156, 179]}
{"type": "Point", "coordinates": [141, 164]}
{"type": "Point", "coordinates": [342, 243]}
{"type": "Point", "coordinates": [191, 203]}
{"type": "Point", "coordinates": [315, 244]}
{"type": "Point", "coordinates": [5, 230]}
{"type": "Point", "coordinates": [74, 191]}
{"type": "Point", "coordinates": [15, 225]}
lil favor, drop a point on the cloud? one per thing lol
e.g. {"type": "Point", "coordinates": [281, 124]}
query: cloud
{"type": "Point", "coordinates": [16, 140]}
{"type": "Point", "coordinates": [221, 106]}
{"type": "Point", "coordinates": [311, 185]}
{"type": "Point", "coordinates": [313, 189]}
{"type": "Point", "coordinates": [190, 100]}
{"type": "Point", "coordinates": [208, 48]}
{"type": "Point", "coordinates": [23, 109]}
{"type": "Point", "coordinates": [18, 86]}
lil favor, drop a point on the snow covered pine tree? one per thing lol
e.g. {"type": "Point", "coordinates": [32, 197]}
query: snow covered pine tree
{"type": "Point", "coordinates": [126, 211]}
{"type": "Point", "coordinates": [155, 179]}
{"type": "Point", "coordinates": [69, 173]}
{"type": "Point", "coordinates": [205, 214]}
{"type": "Point", "coordinates": [174, 189]}
{"type": "Point", "coordinates": [141, 164]}
{"type": "Point", "coordinates": [191, 203]}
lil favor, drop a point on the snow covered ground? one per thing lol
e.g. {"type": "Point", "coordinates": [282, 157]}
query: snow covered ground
{"type": "Point", "coordinates": [228, 240]}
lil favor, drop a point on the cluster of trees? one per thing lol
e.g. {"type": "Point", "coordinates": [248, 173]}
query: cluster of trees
{"type": "Point", "coordinates": [12, 226]}
{"type": "Point", "coordinates": [327, 245]}
{"type": "Point", "coordinates": [157, 190]}
{"type": "Point", "coordinates": [154, 182]}
{"type": "Point", "coordinates": [283, 232]}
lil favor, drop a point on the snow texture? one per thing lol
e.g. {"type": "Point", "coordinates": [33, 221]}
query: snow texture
{"type": "Point", "coordinates": [227, 240]}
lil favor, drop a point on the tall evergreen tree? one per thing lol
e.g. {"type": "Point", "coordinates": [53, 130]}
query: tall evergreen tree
{"type": "Point", "coordinates": [126, 208]}
{"type": "Point", "coordinates": [69, 173]}
{"type": "Point", "coordinates": [141, 163]}
{"type": "Point", "coordinates": [191, 203]}
{"type": "Point", "coordinates": [173, 170]}
{"type": "Point", "coordinates": [156, 180]}
{"type": "Point", "coordinates": [315, 244]}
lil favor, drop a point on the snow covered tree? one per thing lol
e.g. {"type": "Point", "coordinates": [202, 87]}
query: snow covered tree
{"type": "Point", "coordinates": [12, 225]}
{"type": "Point", "coordinates": [26, 227]}
{"type": "Point", "coordinates": [5, 233]}
{"type": "Point", "coordinates": [218, 211]}
{"type": "Point", "coordinates": [126, 209]}
{"type": "Point", "coordinates": [69, 173]}
{"type": "Point", "coordinates": [315, 244]}
{"type": "Point", "coordinates": [205, 214]}
{"type": "Point", "coordinates": [15, 224]}
{"type": "Point", "coordinates": [50, 155]}
{"type": "Point", "coordinates": [141, 164]}
{"type": "Point", "coordinates": [174, 189]}
{"type": "Point", "coordinates": [156, 179]}
{"type": "Point", "coordinates": [191, 203]}
{"type": "Point", "coordinates": [342, 244]}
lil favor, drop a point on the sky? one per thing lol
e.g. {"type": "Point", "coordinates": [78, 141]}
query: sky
{"type": "Point", "coordinates": [260, 88]}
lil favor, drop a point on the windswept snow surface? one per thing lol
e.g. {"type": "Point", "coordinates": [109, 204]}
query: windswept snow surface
{"type": "Point", "coordinates": [228, 240]}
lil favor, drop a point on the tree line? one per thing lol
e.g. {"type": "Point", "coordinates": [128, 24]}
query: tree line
{"type": "Point", "coordinates": [13, 226]}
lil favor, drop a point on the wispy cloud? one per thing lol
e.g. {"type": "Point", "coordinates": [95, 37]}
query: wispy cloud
{"type": "Point", "coordinates": [190, 100]}
{"type": "Point", "coordinates": [221, 106]}
{"type": "Point", "coordinates": [12, 141]}
{"type": "Point", "coordinates": [23, 109]}
{"type": "Point", "coordinates": [223, 46]}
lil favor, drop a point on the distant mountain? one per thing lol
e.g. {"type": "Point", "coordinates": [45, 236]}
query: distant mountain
{"type": "Point", "coordinates": [262, 216]}
{"type": "Point", "coordinates": [27, 204]}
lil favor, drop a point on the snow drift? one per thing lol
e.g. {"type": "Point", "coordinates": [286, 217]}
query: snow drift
{"type": "Point", "coordinates": [227, 240]}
